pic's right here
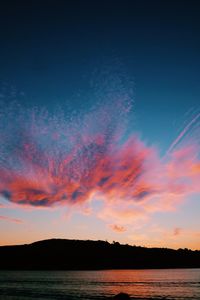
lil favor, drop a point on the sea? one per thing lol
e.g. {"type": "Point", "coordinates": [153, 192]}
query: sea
{"type": "Point", "coordinates": [71, 285]}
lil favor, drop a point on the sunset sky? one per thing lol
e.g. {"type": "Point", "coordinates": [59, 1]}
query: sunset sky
{"type": "Point", "coordinates": [100, 121]}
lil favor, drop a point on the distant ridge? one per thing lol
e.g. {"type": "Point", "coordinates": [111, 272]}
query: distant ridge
{"type": "Point", "coordinates": [61, 254]}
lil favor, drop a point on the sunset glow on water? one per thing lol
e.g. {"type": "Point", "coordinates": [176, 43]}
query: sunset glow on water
{"type": "Point", "coordinates": [178, 284]}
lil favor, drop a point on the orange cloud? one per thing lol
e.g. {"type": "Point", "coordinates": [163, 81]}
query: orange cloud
{"type": "Point", "coordinates": [177, 231]}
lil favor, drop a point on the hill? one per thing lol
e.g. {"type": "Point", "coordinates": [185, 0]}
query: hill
{"type": "Point", "coordinates": [61, 254]}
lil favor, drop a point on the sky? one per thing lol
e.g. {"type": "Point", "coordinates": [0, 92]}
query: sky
{"type": "Point", "coordinates": [99, 121]}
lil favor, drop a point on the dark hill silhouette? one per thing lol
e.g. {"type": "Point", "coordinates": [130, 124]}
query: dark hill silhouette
{"type": "Point", "coordinates": [60, 254]}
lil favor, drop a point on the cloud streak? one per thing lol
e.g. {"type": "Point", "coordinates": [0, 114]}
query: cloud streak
{"type": "Point", "coordinates": [12, 220]}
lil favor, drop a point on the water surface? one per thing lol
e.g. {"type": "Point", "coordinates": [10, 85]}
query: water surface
{"type": "Point", "coordinates": [71, 285]}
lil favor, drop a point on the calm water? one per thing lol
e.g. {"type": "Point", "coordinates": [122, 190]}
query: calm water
{"type": "Point", "coordinates": [142, 284]}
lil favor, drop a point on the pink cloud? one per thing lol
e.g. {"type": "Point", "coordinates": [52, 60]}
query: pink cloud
{"type": "Point", "coordinates": [117, 228]}
{"type": "Point", "coordinates": [53, 161]}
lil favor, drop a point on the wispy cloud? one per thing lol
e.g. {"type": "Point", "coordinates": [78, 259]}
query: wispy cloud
{"type": "Point", "coordinates": [9, 219]}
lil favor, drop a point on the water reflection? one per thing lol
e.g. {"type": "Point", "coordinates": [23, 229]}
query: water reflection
{"type": "Point", "coordinates": [139, 284]}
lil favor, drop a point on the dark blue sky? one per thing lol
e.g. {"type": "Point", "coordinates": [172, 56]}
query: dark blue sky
{"type": "Point", "coordinates": [51, 51]}
{"type": "Point", "coordinates": [74, 53]}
